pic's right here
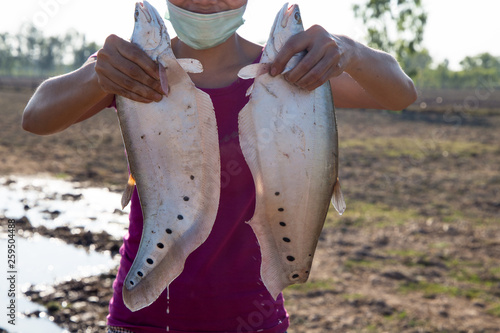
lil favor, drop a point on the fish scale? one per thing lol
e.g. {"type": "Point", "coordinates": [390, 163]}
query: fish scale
{"type": "Point", "coordinates": [173, 153]}
{"type": "Point", "coordinates": [289, 140]}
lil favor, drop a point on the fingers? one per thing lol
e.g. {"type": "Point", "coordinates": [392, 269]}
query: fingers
{"type": "Point", "coordinates": [294, 45]}
{"type": "Point", "coordinates": [126, 70]}
{"type": "Point", "coordinates": [324, 58]}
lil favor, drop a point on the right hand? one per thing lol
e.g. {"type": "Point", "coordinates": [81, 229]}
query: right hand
{"type": "Point", "coordinates": [124, 69]}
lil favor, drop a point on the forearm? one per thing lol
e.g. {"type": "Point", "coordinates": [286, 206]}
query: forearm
{"type": "Point", "coordinates": [62, 101]}
{"type": "Point", "coordinates": [380, 75]}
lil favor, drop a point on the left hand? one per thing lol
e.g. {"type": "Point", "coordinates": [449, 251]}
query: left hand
{"type": "Point", "coordinates": [327, 57]}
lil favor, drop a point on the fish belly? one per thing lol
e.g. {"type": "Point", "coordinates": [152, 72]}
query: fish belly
{"type": "Point", "coordinates": [173, 153]}
{"type": "Point", "coordinates": [289, 139]}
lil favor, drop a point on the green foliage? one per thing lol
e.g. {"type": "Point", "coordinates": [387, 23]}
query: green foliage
{"type": "Point", "coordinates": [30, 53]}
{"type": "Point", "coordinates": [480, 71]}
{"type": "Point", "coordinates": [395, 26]}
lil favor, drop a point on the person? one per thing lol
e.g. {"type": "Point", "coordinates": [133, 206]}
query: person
{"type": "Point", "coordinates": [219, 289]}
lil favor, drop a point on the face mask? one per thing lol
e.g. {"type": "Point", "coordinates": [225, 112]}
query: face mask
{"type": "Point", "coordinates": [203, 31]}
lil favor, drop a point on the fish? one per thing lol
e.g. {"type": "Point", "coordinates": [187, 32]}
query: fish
{"type": "Point", "coordinates": [289, 139]}
{"type": "Point", "coordinates": [172, 149]}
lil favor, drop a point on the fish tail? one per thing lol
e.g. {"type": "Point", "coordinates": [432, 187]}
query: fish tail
{"type": "Point", "coordinates": [127, 194]}
{"type": "Point", "coordinates": [338, 198]}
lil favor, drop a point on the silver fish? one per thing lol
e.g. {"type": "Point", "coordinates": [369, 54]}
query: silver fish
{"type": "Point", "coordinates": [289, 139]}
{"type": "Point", "coordinates": [173, 153]}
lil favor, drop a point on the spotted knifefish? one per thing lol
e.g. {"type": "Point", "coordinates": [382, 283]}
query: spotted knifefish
{"type": "Point", "coordinates": [173, 154]}
{"type": "Point", "coordinates": [289, 139]}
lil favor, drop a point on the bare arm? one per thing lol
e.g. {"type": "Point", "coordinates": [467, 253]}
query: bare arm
{"type": "Point", "coordinates": [120, 68]}
{"type": "Point", "coordinates": [361, 77]}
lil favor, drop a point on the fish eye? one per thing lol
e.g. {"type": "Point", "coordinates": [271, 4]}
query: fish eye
{"type": "Point", "coordinates": [297, 17]}
{"type": "Point", "coordinates": [136, 15]}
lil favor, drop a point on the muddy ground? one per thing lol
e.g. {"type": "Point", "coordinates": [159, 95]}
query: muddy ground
{"type": "Point", "coordinates": [418, 249]}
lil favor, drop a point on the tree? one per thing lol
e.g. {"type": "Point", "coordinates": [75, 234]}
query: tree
{"type": "Point", "coordinates": [395, 26]}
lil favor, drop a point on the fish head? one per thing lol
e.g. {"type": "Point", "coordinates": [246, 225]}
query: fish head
{"type": "Point", "coordinates": [150, 32]}
{"type": "Point", "coordinates": [287, 23]}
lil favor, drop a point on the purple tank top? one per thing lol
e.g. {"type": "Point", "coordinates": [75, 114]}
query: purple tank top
{"type": "Point", "coordinates": [220, 288]}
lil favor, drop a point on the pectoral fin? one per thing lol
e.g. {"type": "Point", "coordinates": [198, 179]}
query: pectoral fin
{"type": "Point", "coordinates": [129, 190]}
{"type": "Point", "coordinates": [338, 198]}
{"type": "Point", "coordinates": [253, 70]}
{"type": "Point", "coordinates": [190, 65]}
{"type": "Point", "coordinates": [163, 79]}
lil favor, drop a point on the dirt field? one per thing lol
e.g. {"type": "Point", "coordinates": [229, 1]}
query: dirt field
{"type": "Point", "coordinates": [418, 249]}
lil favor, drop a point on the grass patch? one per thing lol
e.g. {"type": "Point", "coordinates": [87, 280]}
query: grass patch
{"type": "Point", "coordinates": [361, 213]}
{"type": "Point", "coordinates": [495, 310]}
{"type": "Point", "coordinates": [323, 285]}
{"type": "Point", "coordinates": [418, 148]}
{"type": "Point", "coordinates": [431, 290]}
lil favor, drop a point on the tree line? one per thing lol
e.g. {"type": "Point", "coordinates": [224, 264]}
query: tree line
{"type": "Point", "coordinates": [394, 26]}
{"type": "Point", "coordinates": [30, 53]}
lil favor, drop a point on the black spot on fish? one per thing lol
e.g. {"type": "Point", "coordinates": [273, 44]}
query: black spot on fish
{"type": "Point", "coordinates": [132, 282]}
{"type": "Point", "coordinates": [281, 209]}
{"type": "Point", "coordinates": [310, 255]}
{"type": "Point", "coordinates": [290, 258]}
{"type": "Point", "coordinates": [142, 136]}
{"type": "Point", "coordinates": [282, 224]}
{"type": "Point", "coordinates": [160, 245]}
{"type": "Point", "coordinates": [307, 272]}
{"type": "Point", "coordinates": [180, 217]}
{"type": "Point", "coordinates": [149, 261]}
{"type": "Point", "coordinates": [140, 274]}
{"type": "Point", "coordinates": [186, 198]}
{"type": "Point", "coordinates": [192, 177]}
{"type": "Point", "coordinates": [276, 193]}
{"type": "Point", "coordinates": [295, 276]}
{"type": "Point", "coordinates": [168, 231]}
{"type": "Point", "coordinates": [286, 239]}
{"type": "Point", "coordinates": [159, 133]}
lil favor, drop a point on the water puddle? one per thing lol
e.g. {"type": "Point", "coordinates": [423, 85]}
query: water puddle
{"type": "Point", "coordinates": [54, 202]}
{"type": "Point", "coordinates": [42, 261]}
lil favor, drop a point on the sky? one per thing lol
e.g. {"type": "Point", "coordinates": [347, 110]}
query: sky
{"type": "Point", "coordinates": [455, 28]}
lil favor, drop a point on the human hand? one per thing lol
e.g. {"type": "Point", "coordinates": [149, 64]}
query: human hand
{"type": "Point", "coordinates": [124, 69]}
{"type": "Point", "coordinates": [327, 56]}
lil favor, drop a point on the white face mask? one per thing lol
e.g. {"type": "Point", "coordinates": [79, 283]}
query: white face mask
{"type": "Point", "coordinates": [203, 31]}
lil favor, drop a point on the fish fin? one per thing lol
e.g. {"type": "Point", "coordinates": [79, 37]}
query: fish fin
{"type": "Point", "coordinates": [163, 79]}
{"type": "Point", "coordinates": [190, 65]}
{"type": "Point", "coordinates": [129, 190]}
{"type": "Point", "coordinates": [249, 90]}
{"type": "Point", "coordinates": [253, 70]}
{"type": "Point", "coordinates": [338, 198]}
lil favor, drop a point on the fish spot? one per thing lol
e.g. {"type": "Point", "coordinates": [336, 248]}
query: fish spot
{"type": "Point", "coordinates": [131, 282]}
{"type": "Point", "coordinates": [186, 198]}
{"type": "Point", "coordinates": [192, 177]}
{"type": "Point", "coordinates": [281, 209]}
{"type": "Point", "coordinates": [189, 106]}
{"type": "Point", "coordinates": [290, 258]}
{"type": "Point", "coordinates": [180, 217]}
{"type": "Point", "coordinates": [283, 224]}
{"type": "Point", "coordinates": [276, 193]}
{"type": "Point", "coordinates": [142, 136]}
{"type": "Point", "coordinates": [295, 276]}
{"type": "Point", "coordinates": [286, 239]}
{"type": "Point", "coordinates": [160, 245]}
{"type": "Point", "coordinates": [140, 274]}
{"type": "Point", "coordinates": [168, 231]}
{"type": "Point", "coordinates": [307, 272]}
{"type": "Point", "coordinates": [149, 261]}
{"type": "Point", "coordinates": [159, 133]}
{"type": "Point", "coordinates": [310, 255]}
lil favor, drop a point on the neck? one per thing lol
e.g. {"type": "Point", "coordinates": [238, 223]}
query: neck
{"type": "Point", "coordinates": [220, 63]}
